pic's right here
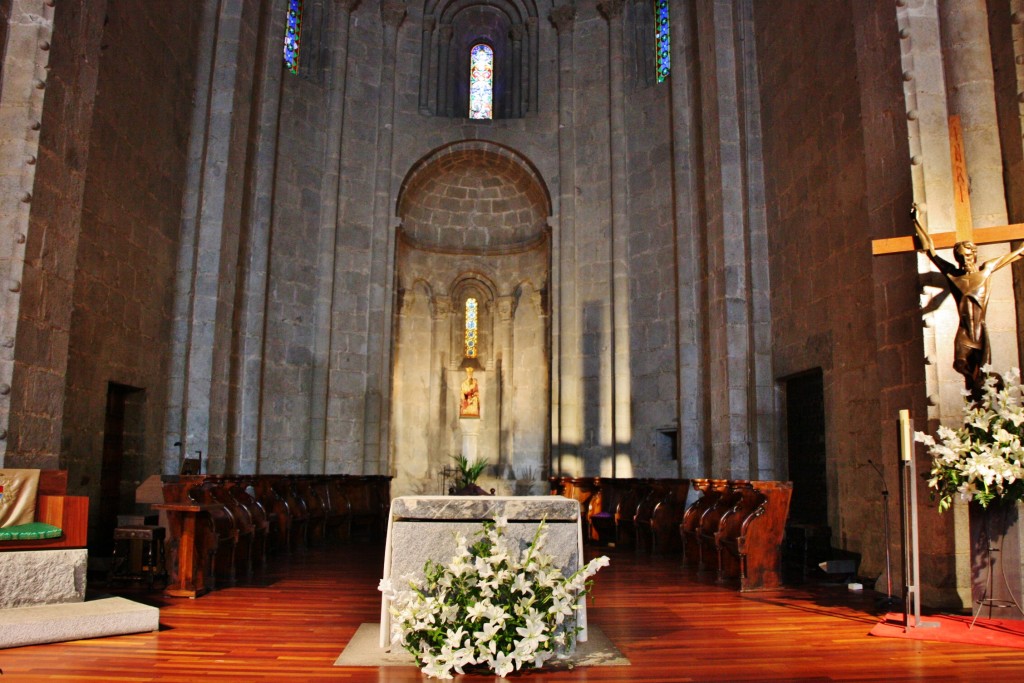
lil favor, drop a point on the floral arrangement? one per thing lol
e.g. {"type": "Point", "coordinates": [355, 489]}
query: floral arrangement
{"type": "Point", "coordinates": [983, 458]}
{"type": "Point", "coordinates": [468, 472]}
{"type": "Point", "coordinates": [493, 605]}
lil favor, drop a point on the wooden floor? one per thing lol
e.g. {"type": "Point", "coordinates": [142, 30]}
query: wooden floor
{"type": "Point", "coordinates": [296, 617]}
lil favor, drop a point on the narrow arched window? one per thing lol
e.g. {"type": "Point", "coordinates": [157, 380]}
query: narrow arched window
{"type": "Point", "coordinates": [481, 82]}
{"type": "Point", "coordinates": [292, 35]}
{"type": "Point", "coordinates": [662, 55]}
{"type": "Point", "coordinates": [471, 328]}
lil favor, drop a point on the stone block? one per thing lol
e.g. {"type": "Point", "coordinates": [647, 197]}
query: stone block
{"type": "Point", "coordinates": [42, 577]}
{"type": "Point", "coordinates": [59, 623]}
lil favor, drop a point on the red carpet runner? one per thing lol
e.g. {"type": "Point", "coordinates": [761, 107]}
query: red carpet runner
{"type": "Point", "coordinates": [954, 629]}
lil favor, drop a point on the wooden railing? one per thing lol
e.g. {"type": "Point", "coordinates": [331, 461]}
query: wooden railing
{"type": "Point", "coordinates": [222, 527]}
{"type": "Point", "coordinates": [733, 531]}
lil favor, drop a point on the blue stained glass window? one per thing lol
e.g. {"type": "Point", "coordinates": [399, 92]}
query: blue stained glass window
{"type": "Point", "coordinates": [663, 58]}
{"type": "Point", "coordinates": [292, 34]}
{"type": "Point", "coordinates": [481, 81]}
{"type": "Point", "coordinates": [470, 328]}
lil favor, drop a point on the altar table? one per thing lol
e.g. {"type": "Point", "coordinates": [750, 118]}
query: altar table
{"type": "Point", "coordinates": [424, 527]}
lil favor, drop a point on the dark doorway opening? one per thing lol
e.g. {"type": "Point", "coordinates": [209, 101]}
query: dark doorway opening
{"type": "Point", "coordinates": [805, 431]}
{"type": "Point", "coordinates": [123, 432]}
{"type": "Point", "coordinates": [808, 536]}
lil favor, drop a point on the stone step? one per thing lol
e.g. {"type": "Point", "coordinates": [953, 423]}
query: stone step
{"type": "Point", "coordinates": [115, 616]}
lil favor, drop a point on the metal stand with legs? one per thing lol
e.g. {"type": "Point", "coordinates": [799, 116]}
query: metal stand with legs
{"type": "Point", "coordinates": [889, 599]}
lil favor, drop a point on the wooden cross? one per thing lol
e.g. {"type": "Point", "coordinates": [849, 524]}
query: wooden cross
{"type": "Point", "coordinates": [965, 232]}
{"type": "Point", "coordinates": [968, 280]}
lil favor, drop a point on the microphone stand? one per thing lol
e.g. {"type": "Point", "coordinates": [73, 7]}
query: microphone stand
{"type": "Point", "coordinates": [889, 599]}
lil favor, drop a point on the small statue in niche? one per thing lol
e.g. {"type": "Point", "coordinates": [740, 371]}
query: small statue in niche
{"type": "Point", "coordinates": [469, 405]}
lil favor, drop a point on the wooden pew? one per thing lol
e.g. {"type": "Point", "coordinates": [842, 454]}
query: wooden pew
{"type": "Point", "coordinates": [668, 515]}
{"type": "Point", "coordinates": [755, 537]}
{"type": "Point", "coordinates": [731, 529]}
{"type": "Point", "coordinates": [316, 509]}
{"type": "Point", "coordinates": [730, 492]}
{"type": "Point", "coordinates": [625, 513]}
{"type": "Point", "coordinates": [602, 507]}
{"type": "Point", "coordinates": [337, 509]}
{"type": "Point", "coordinates": [284, 487]}
{"type": "Point", "coordinates": [279, 521]}
{"type": "Point", "coordinates": [689, 526]}
{"type": "Point", "coordinates": [241, 489]}
{"type": "Point", "coordinates": [219, 490]}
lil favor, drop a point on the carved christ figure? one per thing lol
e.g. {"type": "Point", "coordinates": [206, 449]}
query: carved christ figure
{"type": "Point", "coordinates": [969, 283]}
{"type": "Point", "coordinates": [469, 406]}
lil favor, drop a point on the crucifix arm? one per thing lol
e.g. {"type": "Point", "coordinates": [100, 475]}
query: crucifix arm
{"type": "Point", "coordinates": [942, 264]}
{"type": "Point", "coordinates": [922, 234]}
{"type": "Point", "coordinates": [1008, 258]}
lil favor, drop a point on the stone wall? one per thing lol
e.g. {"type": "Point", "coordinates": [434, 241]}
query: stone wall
{"type": "Point", "coordinates": [837, 174]}
{"type": "Point", "coordinates": [127, 245]}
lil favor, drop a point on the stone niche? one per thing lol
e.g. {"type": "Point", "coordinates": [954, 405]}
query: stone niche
{"type": "Point", "coordinates": [473, 226]}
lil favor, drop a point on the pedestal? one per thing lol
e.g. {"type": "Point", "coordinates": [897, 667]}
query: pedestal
{"type": "Point", "coordinates": [424, 527]}
{"type": "Point", "coordinates": [470, 428]}
{"type": "Point", "coordinates": [995, 560]}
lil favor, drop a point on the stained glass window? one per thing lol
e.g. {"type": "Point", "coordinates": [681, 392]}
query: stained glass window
{"type": "Point", "coordinates": [481, 82]}
{"type": "Point", "coordinates": [292, 34]}
{"type": "Point", "coordinates": [663, 59]}
{"type": "Point", "coordinates": [470, 327]}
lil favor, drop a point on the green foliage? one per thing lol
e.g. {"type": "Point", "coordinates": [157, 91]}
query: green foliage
{"type": "Point", "coordinates": [469, 472]}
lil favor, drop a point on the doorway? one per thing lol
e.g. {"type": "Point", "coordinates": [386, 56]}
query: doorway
{"type": "Point", "coordinates": [120, 472]}
{"type": "Point", "coordinates": [805, 432]}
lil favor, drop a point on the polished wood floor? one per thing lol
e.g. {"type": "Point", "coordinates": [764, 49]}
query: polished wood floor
{"type": "Point", "coordinates": [293, 620]}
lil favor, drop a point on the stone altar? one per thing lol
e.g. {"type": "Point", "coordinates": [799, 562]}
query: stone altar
{"type": "Point", "coordinates": [424, 527]}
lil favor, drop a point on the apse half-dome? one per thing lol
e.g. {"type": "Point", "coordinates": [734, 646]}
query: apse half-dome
{"type": "Point", "coordinates": [474, 200]}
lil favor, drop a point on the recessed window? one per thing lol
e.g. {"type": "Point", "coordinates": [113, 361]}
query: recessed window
{"type": "Point", "coordinates": [662, 56]}
{"type": "Point", "coordinates": [481, 82]}
{"type": "Point", "coordinates": [292, 35]}
{"type": "Point", "coordinates": [471, 328]}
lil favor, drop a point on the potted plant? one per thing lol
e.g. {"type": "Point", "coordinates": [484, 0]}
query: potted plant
{"type": "Point", "coordinates": [466, 475]}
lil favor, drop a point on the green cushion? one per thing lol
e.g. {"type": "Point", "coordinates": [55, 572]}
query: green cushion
{"type": "Point", "coordinates": [33, 531]}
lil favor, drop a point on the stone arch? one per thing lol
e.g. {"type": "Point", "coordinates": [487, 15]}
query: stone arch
{"type": "Point", "coordinates": [508, 26]}
{"type": "Point", "coordinates": [473, 197]}
{"type": "Point", "coordinates": [472, 221]}
{"type": "Point", "coordinates": [482, 288]}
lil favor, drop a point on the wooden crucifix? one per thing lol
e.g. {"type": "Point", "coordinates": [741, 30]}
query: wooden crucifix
{"type": "Point", "coordinates": [969, 282]}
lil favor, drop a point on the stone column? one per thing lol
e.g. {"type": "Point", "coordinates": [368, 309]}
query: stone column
{"type": "Point", "coordinates": [566, 356]}
{"type": "Point", "coordinates": [516, 34]}
{"type": "Point", "coordinates": [175, 444]}
{"type": "Point", "coordinates": [426, 43]}
{"type": "Point", "coordinates": [243, 455]}
{"type": "Point", "coordinates": [622, 434]}
{"type": "Point", "coordinates": [760, 385]}
{"type": "Point", "coordinates": [729, 353]}
{"type": "Point", "coordinates": [444, 87]}
{"type": "Point", "coordinates": [532, 69]}
{"type": "Point", "coordinates": [970, 82]}
{"type": "Point", "coordinates": [503, 346]}
{"type": "Point", "coordinates": [212, 280]}
{"type": "Point", "coordinates": [440, 335]}
{"type": "Point", "coordinates": [330, 226]}
{"type": "Point", "coordinates": [39, 227]}
{"type": "Point", "coordinates": [378, 359]}
{"type": "Point", "coordinates": [971, 95]}
{"type": "Point", "coordinates": [691, 288]}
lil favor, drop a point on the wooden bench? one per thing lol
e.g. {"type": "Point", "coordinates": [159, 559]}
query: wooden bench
{"type": "Point", "coordinates": [222, 526]}
{"type": "Point", "coordinates": [54, 507]}
{"type": "Point", "coordinates": [753, 534]}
